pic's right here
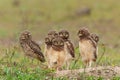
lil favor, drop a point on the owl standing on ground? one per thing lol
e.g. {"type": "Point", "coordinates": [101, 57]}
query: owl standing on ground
{"type": "Point", "coordinates": [30, 47]}
{"type": "Point", "coordinates": [70, 53]}
{"type": "Point", "coordinates": [48, 45]}
{"type": "Point", "coordinates": [57, 53]}
{"type": "Point", "coordinates": [87, 47]}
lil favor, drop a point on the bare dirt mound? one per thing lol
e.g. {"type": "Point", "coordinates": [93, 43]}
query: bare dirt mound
{"type": "Point", "coordinates": [107, 72]}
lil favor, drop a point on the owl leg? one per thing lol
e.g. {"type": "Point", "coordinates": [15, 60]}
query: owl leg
{"type": "Point", "coordinates": [49, 64]}
{"type": "Point", "coordinates": [90, 64]}
{"type": "Point", "coordinates": [86, 63]}
{"type": "Point", "coordinates": [68, 65]}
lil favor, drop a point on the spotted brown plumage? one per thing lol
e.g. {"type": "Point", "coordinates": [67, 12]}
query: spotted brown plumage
{"type": "Point", "coordinates": [95, 37]}
{"type": "Point", "coordinates": [30, 47]}
{"type": "Point", "coordinates": [64, 34]}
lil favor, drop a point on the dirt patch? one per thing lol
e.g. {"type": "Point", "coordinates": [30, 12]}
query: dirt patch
{"type": "Point", "coordinates": [107, 72]}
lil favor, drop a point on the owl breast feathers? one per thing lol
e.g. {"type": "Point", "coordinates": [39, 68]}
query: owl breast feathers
{"type": "Point", "coordinates": [87, 50]}
{"type": "Point", "coordinates": [95, 37]}
{"type": "Point", "coordinates": [87, 47]}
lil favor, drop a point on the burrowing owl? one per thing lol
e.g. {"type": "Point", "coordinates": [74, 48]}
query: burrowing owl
{"type": "Point", "coordinates": [30, 47]}
{"type": "Point", "coordinates": [52, 34]}
{"type": "Point", "coordinates": [57, 53]}
{"type": "Point", "coordinates": [48, 39]}
{"type": "Point", "coordinates": [48, 45]}
{"type": "Point", "coordinates": [64, 34]}
{"type": "Point", "coordinates": [87, 47]}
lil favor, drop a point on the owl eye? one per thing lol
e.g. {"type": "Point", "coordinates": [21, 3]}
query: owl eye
{"type": "Point", "coordinates": [66, 35]}
{"type": "Point", "coordinates": [82, 32]}
{"type": "Point", "coordinates": [79, 34]}
{"type": "Point", "coordinates": [61, 43]}
{"type": "Point", "coordinates": [29, 34]}
{"type": "Point", "coordinates": [97, 39]}
{"type": "Point", "coordinates": [55, 34]}
{"type": "Point", "coordinates": [47, 40]}
{"type": "Point", "coordinates": [60, 34]}
{"type": "Point", "coordinates": [25, 33]}
{"type": "Point", "coordinates": [22, 37]}
{"type": "Point", "coordinates": [55, 42]}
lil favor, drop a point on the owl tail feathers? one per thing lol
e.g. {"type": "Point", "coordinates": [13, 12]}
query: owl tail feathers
{"type": "Point", "coordinates": [41, 58]}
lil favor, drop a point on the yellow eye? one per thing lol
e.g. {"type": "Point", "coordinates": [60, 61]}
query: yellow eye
{"type": "Point", "coordinates": [47, 40]}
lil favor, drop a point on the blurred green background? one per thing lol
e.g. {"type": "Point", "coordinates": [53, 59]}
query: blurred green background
{"type": "Point", "coordinates": [41, 16]}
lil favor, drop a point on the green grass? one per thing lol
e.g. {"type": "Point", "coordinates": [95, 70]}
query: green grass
{"type": "Point", "coordinates": [15, 66]}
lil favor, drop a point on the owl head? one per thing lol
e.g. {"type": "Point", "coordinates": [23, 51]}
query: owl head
{"type": "Point", "coordinates": [58, 43]}
{"type": "Point", "coordinates": [64, 34]}
{"type": "Point", "coordinates": [52, 34]}
{"type": "Point", "coordinates": [95, 37]}
{"type": "Point", "coordinates": [83, 32]}
{"type": "Point", "coordinates": [25, 36]}
{"type": "Point", "coordinates": [48, 40]}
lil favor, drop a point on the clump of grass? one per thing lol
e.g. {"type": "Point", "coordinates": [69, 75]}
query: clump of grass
{"type": "Point", "coordinates": [17, 73]}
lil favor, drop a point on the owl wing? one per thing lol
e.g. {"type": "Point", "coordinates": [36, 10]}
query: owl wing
{"type": "Point", "coordinates": [46, 50]}
{"type": "Point", "coordinates": [93, 43]}
{"type": "Point", "coordinates": [22, 44]}
{"type": "Point", "coordinates": [70, 48]}
{"type": "Point", "coordinates": [36, 49]}
{"type": "Point", "coordinates": [95, 37]}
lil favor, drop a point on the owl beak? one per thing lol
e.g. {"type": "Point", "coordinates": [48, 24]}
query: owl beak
{"type": "Point", "coordinates": [80, 35]}
{"type": "Point", "coordinates": [60, 35]}
{"type": "Point", "coordinates": [29, 34]}
{"type": "Point", "coordinates": [22, 37]}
